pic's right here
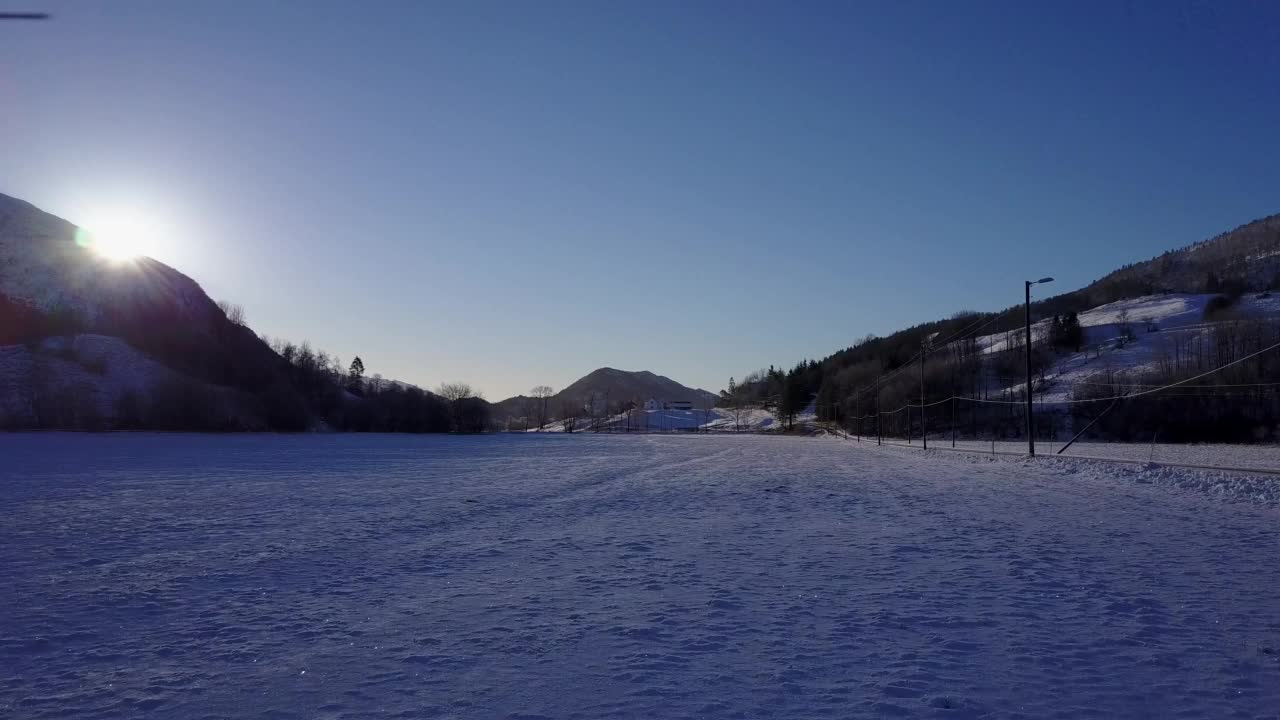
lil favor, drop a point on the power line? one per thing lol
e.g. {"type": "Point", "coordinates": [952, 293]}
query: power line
{"type": "Point", "coordinates": [1179, 383]}
{"type": "Point", "coordinates": [1148, 385]}
{"type": "Point", "coordinates": [990, 320]}
{"type": "Point", "coordinates": [971, 327]}
{"type": "Point", "coordinates": [1152, 390]}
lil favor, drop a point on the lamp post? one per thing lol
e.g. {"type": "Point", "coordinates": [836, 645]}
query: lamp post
{"type": "Point", "coordinates": [924, 429]}
{"type": "Point", "coordinates": [1031, 423]}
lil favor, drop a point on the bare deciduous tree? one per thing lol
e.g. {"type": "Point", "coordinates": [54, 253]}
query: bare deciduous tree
{"type": "Point", "coordinates": [569, 412]}
{"type": "Point", "coordinates": [455, 393]}
{"type": "Point", "coordinates": [542, 393]}
{"type": "Point", "coordinates": [1126, 330]}
{"type": "Point", "coordinates": [233, 311]}
{"type": "Point", "coordinates": [738, 403]}
{"type": "Point", "coordinates": [529, 407]}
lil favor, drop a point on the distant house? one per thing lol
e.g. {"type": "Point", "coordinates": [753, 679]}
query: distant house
{"type": "Point", "coordinates": [655, 404]}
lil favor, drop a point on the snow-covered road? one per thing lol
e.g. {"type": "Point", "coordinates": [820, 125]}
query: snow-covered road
{"type": "Point", "coordinates": [587, 576]}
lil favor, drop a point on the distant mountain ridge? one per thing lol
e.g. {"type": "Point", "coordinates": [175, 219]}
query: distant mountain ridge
{"type": "Point", "coordinates": [610, 386]}
{"type": "Point", "coordinates": [1246, 258]}
{"type": "Point", "coordinates": [634, 385]}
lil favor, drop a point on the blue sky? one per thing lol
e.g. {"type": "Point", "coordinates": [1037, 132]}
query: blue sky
{"type": "Point", "coordinates": [517, 193]}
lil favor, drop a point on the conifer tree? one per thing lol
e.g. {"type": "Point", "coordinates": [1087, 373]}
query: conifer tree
{"type": "Point", "coordinates": [355, 376]}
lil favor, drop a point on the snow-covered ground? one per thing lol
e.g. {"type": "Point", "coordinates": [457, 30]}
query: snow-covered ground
{"type": "Point", "coordinates": [754, 419]}
{"type": "Point", "coordinates": [1258, 457]}
{"type": "Point", "coordinates": [594, 576]}
{"type": "Point", "coordinates": [1224, 471]}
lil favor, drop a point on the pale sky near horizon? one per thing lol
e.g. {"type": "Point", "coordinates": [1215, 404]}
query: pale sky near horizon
{"type": "Point", "coordinates": [512, 194]}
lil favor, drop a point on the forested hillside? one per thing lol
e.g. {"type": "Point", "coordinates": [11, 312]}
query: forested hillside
{"type": "Point", "coordinates": [981, 358]}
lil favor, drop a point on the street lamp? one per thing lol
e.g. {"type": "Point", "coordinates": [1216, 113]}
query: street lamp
{"type": "Point", "coordinates": [1031, 423]}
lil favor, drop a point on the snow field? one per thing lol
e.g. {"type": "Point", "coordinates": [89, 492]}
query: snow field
{"type": "Point", "coordinates": [1257, 457]}
{"type": "Point", "coordinates": [1226, 472]}
{"type": "Point", "coordinates": [589, 576]}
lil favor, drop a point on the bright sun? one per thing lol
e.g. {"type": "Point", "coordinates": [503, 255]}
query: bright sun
{"type": "Point", "coordinates": [122, 235]}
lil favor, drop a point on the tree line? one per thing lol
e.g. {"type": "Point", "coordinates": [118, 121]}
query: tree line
{"type": "Point", "coordinates": [345, 399]}
{"type": "Point", "coordinates": [61, 389]}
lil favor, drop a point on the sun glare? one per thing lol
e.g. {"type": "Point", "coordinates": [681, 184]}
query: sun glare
{"type": "Point", "coordinates": [121, 235]}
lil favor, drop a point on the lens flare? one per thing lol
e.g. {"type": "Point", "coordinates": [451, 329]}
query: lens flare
{"type": "Point", "coordinates": [119, 236]}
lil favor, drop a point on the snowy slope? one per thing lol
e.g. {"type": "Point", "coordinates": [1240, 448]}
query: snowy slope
{"type": "Point", "coordinates": [88, 371]}
{"type": "Point", "coordinates": [753, 419]}
{"type": "Point", "coordinates": [1153, 319]}
{"type": "Point", "coordinates": [596, 576]}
